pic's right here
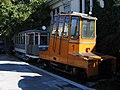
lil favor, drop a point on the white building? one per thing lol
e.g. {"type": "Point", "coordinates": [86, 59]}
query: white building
{"type": "Point", "coordinates": [67, 6]}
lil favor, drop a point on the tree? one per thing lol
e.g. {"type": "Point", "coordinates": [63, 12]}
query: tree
{"type": "Point", "coordinates": [108, 26]}
{"type": "Point", "coordinates": [15, 13]}
{"type": "Point", "coordinates": [18, 15]}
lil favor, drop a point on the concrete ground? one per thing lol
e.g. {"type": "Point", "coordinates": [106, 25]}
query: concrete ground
{"type": "Point", "coordinates": [18, 75]}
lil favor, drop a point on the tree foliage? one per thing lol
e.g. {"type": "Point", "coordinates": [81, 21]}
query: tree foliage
{"type": "Point", "coordinates": [19, 15]}
{"type": "Point", "coordinates": [16, 15]}
{"type": "Point", "coordinates": [108, 26]}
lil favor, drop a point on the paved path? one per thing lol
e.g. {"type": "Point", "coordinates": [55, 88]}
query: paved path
{"type": "Point", "coordinates": [17, 75]}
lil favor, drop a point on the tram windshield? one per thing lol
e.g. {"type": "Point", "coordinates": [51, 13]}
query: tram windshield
{"type": "Point", "coordinates": [66, 26]}
{"type": "Point", "coordinates": [88, 27]}
{"type": "Point", "coordinates": [74, 33]}
{"type": "Point", "coordinates": [55, 24]}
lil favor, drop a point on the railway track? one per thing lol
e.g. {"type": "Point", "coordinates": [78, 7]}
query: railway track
{"type": "Point", "coordinates": [99, 84]}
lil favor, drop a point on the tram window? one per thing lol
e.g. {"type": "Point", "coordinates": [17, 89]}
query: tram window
{"type": "Point", "coordinates": [88, 29]}
{"type": "Point", "coordinates": [31, 37]}
{"type": "Point", "coordinates": [23, 39]}
{"type": "Point", "coordinates": [55, 24]}
{"type": "Point", "coordinates": [36, 38]}
{"type": "Point", "coordinates": [74, 33]}
{"type": "Point", "coordinates": [61, 18]}
{"type": "Point", "coordinates": [19, 39]}
{"type": "Point", "coordinates": [65, 32]}
{"type": "Point", "coordinates": [60, 27]}
{"type": "Point", "coordinates": [43, 39]}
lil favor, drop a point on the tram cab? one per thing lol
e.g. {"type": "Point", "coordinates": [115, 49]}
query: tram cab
{"type": "Point", "coordinates": [72, 45]}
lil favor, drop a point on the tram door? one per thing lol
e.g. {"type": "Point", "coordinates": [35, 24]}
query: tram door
{"type": "Point", "coordinates": [60, 42]}
{"type": "Point", "coordinates": [30, 43]}
{"type": "Point", "coordinates": [32, 46]}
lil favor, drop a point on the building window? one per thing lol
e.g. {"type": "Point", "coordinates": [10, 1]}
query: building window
{"type": "Point", "coordinates": [53, 12]}
{"type": "Point", "coordinates": [80, 6]}
{"type": "Point", "coordinates": [67, 7]}
{"type": "Point", "coordinates": [58, 11]}
{"type": "Point", "coordinates": [87, 6]}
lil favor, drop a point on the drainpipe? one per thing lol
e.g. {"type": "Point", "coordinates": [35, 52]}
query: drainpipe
{"type": "Point", "coordinates": [83, 6]}
{"type": "Point", "coordinates": [91, 5]}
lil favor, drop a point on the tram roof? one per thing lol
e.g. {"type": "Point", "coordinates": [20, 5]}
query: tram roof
{"type": "Point", "coordinates": [80, 14]}
{"type": "Point", "coordinates": [34, 30]}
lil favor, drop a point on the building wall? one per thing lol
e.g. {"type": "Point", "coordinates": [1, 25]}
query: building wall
{"type": "Point", "coordinates": [75, 5]}
{"type": "Point", "coordinates": [58, 6]}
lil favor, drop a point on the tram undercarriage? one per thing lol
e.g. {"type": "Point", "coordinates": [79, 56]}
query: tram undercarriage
{"type": "Point", "coordinates": [103, 69]}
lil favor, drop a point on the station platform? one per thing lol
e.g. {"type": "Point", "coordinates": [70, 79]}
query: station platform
{"type": "Point", "coordinates": [18, 75]}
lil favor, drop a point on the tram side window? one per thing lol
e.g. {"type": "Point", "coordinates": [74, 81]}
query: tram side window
{"type": "Point", "coordinates": [88, 29]}
{"type": "Point", "coordinates": [36, 38]}
{"type": "Point", "coordinates": [74, 33]}
{"type": "Point", "coordinates": [31, 39]}
{"type": "Point", "coordinates": [60, 27]}
{"type": "Point", "coordinates": [23, 39]}
{"type": "Point", "coordinates": [19, 39]}
{"type": "Point", "coordinates": [65, 32]}
{"type": "Point", "coordinates": [43, 39]}
{"type": "Point", "coordinates": [55, 24]}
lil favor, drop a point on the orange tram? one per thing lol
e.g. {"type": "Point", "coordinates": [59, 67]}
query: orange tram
{"type": "Point", "coordinates": [72, 47]}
